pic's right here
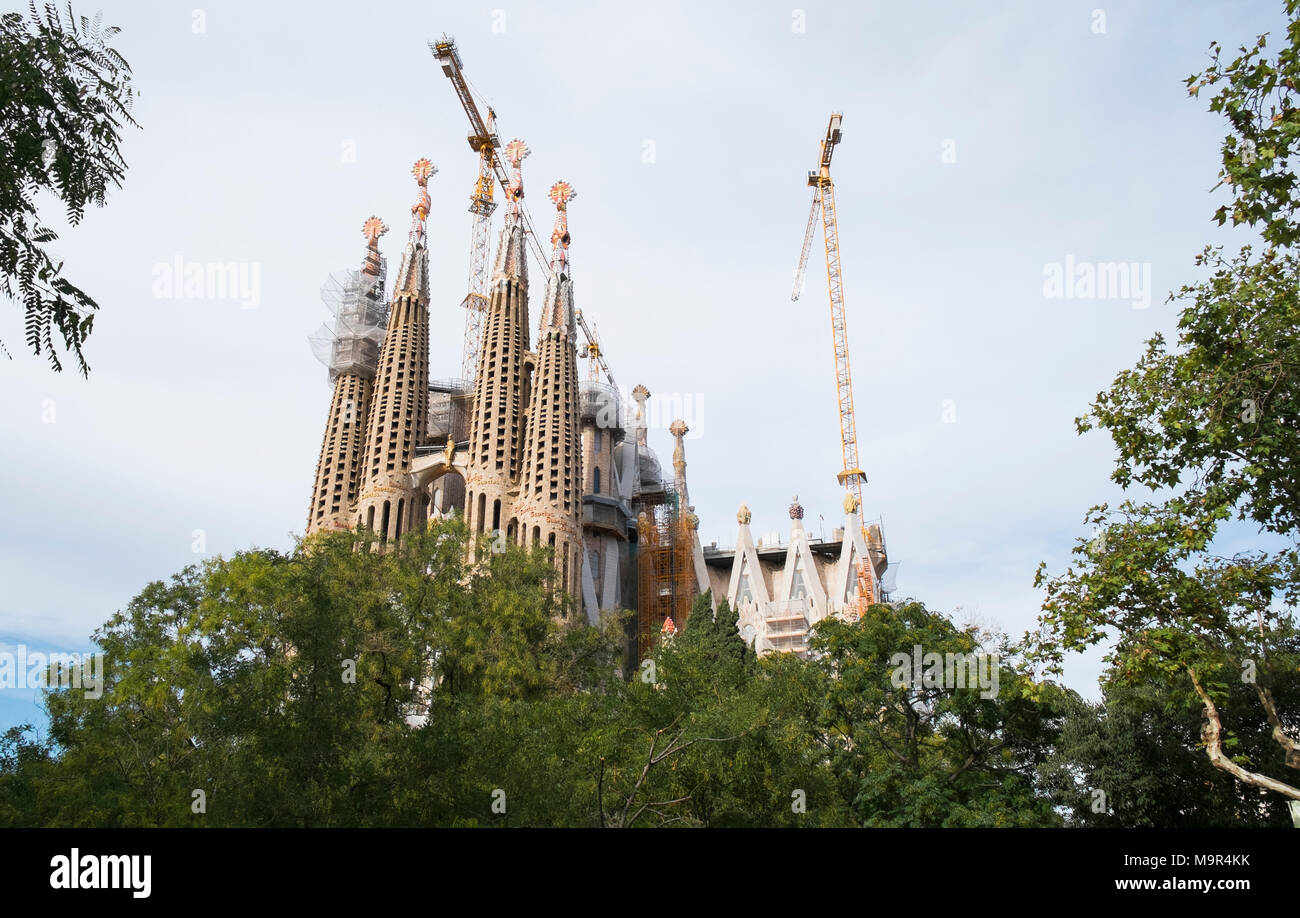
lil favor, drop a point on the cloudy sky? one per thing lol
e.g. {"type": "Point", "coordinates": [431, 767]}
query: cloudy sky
{"type": "Point", "coordinates": [983, 145]}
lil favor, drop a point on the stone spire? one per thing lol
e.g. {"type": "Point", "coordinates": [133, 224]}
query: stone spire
{"type": "Point", "coordinates": [373, 264]}
{"type": "Point", "coordinates": [496, 438]}
{"type": "Point", "coordinates": [679, 430]}
{"type": "Point", "coordinates": [550, 486]}
{"type": "Point", "coordinates": [413, 275]}
{"type": "Point", "coordinates": [640, 395]}
{"type": "Point", "coordinates": [512, 253]}
{"type": "Point", "coordinates": [357, 301]}
{"type": "Point", "coordinates": [388, 503]}
{"type": "Point", "coordinates": [557, 309]}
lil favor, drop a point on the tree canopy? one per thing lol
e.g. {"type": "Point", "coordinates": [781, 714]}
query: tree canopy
{"type": "Point", "coordinates": [339, 685]}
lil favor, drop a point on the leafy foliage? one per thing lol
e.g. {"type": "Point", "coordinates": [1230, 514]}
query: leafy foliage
{"type": "Point", "coordinates": [907, 753]}
{"type": "Point", "coordinates": [339, 685]}
{"type": "Point", "coordinates": [65, 96]}
{"type": "Point", "coordinates": [1134, 760]}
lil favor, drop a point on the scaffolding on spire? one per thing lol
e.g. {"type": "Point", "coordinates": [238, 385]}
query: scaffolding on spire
{"type": "Point", "coordinates": [666, 585]}
{"type": "Point", "coordinates": [356, 301]}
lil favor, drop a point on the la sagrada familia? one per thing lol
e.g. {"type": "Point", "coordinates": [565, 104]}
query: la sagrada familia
{"type": "Point", "coordinates": [529, 454]}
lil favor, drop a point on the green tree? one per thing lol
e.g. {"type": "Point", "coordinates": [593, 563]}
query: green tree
{"type": "Point", "coordinates": [25, 764]}
{"type": "Point", "coordinates": [1208, 428]}
{"type": "Point", "coordinates": [337, 685]}
{"type": "Point", "coordinates": [913, 749]}
{"type": "Point", "coordinates": [65, 96]}
{"type": "Point", "coordinates": [1134, 760]}
{"type": "Point", "coordinates": [333, 685]}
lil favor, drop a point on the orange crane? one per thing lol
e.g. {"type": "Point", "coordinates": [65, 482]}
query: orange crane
{"type": "Point", "coordinates": [484, 141]}
{"type": "Point", "coordinates": [823, 203]}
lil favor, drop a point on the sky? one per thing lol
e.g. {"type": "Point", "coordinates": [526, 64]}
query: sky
{"type": "Point", "coordinates": [985, 146]}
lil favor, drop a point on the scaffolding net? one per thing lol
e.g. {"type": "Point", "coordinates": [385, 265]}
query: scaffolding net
{"type": "Point", "coordinates": [356, 300]}
{"type": "Point", "coordinates": [601, 403]}
{"type": "Point", "coordinates": [665, 578]}
{"type": "Point", "coordinates": [449, 415]}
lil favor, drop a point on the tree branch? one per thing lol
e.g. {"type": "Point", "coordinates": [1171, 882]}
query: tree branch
{"type": "Point", "coordinates": [1270, 711]}
{"type": "Point", "coordinates": [1212, 735]}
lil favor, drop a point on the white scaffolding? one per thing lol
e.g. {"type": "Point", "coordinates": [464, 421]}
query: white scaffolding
{"type": "Point", "coordinates": [356, 300]}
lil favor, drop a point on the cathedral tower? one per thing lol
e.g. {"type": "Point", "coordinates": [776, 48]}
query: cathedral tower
{"type": "Point", "coordinates": [550, 493]}
{"type": "Point", "coordinates": [399, 412]}
{"type": "Point", "coordinates": [351, 351]}
{"type": "Point", "coordinates": [501, 383]}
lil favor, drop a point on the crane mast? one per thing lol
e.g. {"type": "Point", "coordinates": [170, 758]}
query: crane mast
{"type": "Point", "coordinates": [851, 477]}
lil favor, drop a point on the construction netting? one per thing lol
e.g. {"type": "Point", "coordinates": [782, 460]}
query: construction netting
{"type": "Point", "coordinates": [600, 402]}
{"type": "Point", "coordinates": [650, 470]}
{"type": "Point", "coordinates": [440, 415]}
{"type": "Point", "coordinates": [665, 572]}
{"type": "Point", "coordinates": [356, 300]}
{"type": "Point", "coordinates": [448, 417]}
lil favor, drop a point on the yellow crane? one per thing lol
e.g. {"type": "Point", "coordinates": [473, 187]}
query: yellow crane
{"type": "Point", "coordinates": [823, 202]}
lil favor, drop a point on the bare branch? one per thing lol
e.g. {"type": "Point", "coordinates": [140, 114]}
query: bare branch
{"type": "Point", "coordinates": [1212, 735]}
{"type": "Point", "coordinates": [1270, 710]}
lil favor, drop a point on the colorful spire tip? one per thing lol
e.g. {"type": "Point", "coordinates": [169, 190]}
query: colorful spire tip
{"type": "Point", "coordinates": [373, 228]}
{"type": "Point", "coordinates": [561, 193]}
{"type": "Point", "coordinates": [516, 150]}
{"type": "Point", "coordinates": [420, 209]}
{"type": "Point", "coordinates": [422, 170]}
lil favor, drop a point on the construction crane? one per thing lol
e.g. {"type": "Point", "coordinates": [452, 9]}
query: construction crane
{"type": "Point", "coordinates": [484, 140]}
{"type": "Point", "coordinates": [823, 202]}
{"type": "Point", "coordinates": [594, 353]}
